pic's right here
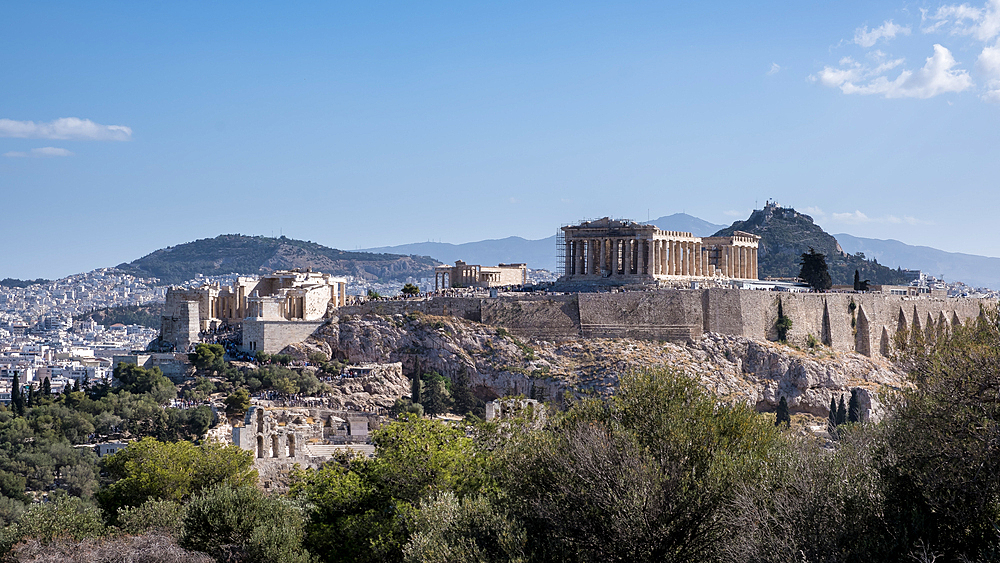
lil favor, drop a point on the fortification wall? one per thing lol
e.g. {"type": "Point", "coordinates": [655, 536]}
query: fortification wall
{"type": "Point", "coordinates": [866, 323]}
{"type": "Point", "coordinates": [654, 315]}
{"type": "Point", "coordinates": [272, 336]}
{"type": "Point", "coordinates": [548, 317]}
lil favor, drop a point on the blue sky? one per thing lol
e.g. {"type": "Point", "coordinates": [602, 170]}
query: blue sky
{"type": "Point", "coordinates": [127, 127]}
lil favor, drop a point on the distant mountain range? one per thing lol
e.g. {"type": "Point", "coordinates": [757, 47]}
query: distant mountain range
{"type": "Point", "coordinates": [977, 271]}
{"type": "Point", "coordinates": [538, 253]}
{"type": "Point", "coordinates": [784, 238]}
{"type": "Point", "coordinates": [241, 254]}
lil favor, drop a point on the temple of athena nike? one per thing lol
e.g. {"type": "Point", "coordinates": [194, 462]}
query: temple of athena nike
{"type": "Point", "coordinates": [623, 251]}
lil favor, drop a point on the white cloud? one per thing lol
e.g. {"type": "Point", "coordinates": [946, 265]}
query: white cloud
{"type": "Point", "coordinates": [775, 69]}
{"type": "Point", "coordinates": [857, 218]}
{"type": "Point", "coordinates": [39, 153]}
{"type": "Point", "coordinates": [937, 76]}
{"type": "Point", "coordinates": [963, 19]}
{"type": "Point", "coordinates": [813, 211]}
{"type": "Point", "coordinates": [988, 65]}
{"type": "Point", "coordinates": [888, 30]}
{"type": "Point", "coordinates": [65, 128]}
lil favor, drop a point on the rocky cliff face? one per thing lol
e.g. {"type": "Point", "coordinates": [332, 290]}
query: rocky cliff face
{"type": "Point", "coordinates": [497, 364]}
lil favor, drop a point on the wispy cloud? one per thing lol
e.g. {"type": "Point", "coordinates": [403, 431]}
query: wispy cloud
{"type": "Point", "coordinates": [775, 69]}
{"type": "Point", "coordinates": [937, 76]}
{"type": "Point", "coordinates": [857, 218]}
{"type": "Point", "coordinates": [888, 30]}
{"type": "Point", "coordinates": [43, 152]}
{"type": "Point", "coordinates": [65, 128]}
{"type": "Point", "coordinates": [814, 211]}
{"type": "Point", "coordinates": [963, 19]}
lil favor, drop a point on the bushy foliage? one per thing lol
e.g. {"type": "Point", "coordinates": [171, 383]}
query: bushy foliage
{"type": "Point", "coordinates": [652, 469]}
{"type": "Point", "coordinates": [153, 470]}
{"type": "Point", "coordinates": [63, 516]}
{"type": "Point", "coordinates": [446, 528]}
{"type": "Point", "coordinates": [241, 524]}
{"type": "Point", "coordinates": [158, 516]}
{"type": "Point", "coordinates": [359, 507]}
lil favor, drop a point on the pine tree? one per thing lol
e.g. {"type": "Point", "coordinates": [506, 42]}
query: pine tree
{"type": "Point", "coordinates": [854, 407]}
{"type": "Point", "coordinates": [841, 412]}
{"type": "Point", "coordinates": [833, 412]}
{"type": "Point", "coordinates": [782, 416]}
{"type": "Point", "coordinates": [814, 270]}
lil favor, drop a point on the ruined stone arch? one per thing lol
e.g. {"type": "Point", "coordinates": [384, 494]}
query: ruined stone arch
{"type": "Point", "coordinates": [955, 321]}
{"type": "Point", "coordinates": [884, 345]}
{"type": "Point", "coordinates": [260, 446]}
{"type": "Point", "coordinates": [291, 445]}
{"type": "Point", "coordinates": [902, 325]}
{"type": "Point", "coordinates": [274, 445]}
{"type": "Point", "coordinates": [260, 419]}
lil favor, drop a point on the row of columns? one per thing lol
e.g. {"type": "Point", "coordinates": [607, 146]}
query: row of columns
{"type": "Point", "coordinates": [442, 280]}
{"type": "Point", "coordinates": [629, 256]}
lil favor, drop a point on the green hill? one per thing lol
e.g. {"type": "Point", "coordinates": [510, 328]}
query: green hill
{"type": "Point", "coordinates": [786, 234]}
{"type": "Point", "coordinates": [243, 254]}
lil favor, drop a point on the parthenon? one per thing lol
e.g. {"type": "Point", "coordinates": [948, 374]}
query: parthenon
{"type": "Point", "coordinates": [622, 250]}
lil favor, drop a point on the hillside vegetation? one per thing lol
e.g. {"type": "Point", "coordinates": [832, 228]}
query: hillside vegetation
{"type": "Point", "coordinates": [241, 254]}
{"type": "Point", "coordinates": [786, 234]}
{"type": "Point", "coordinates": [145, 315]}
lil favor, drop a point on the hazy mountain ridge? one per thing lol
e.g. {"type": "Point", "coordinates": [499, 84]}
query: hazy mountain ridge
{"type": "Point", "coordinates": [786, 234]}
{"type": "Point", "coordinates": [978, 271]}
{"type": "Point", "coordinates": [538, 253]}
{"type": "Point", "coordinates": [243, 254]}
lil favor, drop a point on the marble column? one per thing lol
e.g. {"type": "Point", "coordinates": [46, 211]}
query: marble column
{"type": "Point", "coordinates": [654, 257]}
{"type": "Point", "coordinates": [698, 259]}
{"type": "Point", "coordinates": [627, 259]}
{"type": "Point", "coordinates": [604, 256]}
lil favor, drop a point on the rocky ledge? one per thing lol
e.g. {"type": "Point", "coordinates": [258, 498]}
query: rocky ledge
{"type": "Point", "coordinates": [497, 363]}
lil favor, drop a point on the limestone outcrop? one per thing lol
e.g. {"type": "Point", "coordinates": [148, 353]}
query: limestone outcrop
{"type": "Point", "coordinates": [497, 363]}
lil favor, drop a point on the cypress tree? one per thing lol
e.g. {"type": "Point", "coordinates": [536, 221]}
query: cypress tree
{"type": "Point", "coordinates": [16, 400]}
{"type": "Point", "coordinates": [782, 416]}
{"type": "Point", "coordinates": [841, 412]}
{"type": "Point", "coordinates": [76, 385]}
{"type": "Point", "coordinates": [31, 396]}
{"type": "Point", "coordinates": [833, 412]}
{"type": "Point", "coordinates": [465, 401]}
{"type": "Point", "coordinates": [47, 387]}
{"type": "Point", "coordinates": [857, 280]}
{"type": "Point", "coordinates": [415, 388]}
{"type": "Point", "coordinates": [854, 407]}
